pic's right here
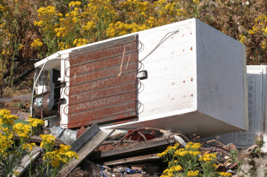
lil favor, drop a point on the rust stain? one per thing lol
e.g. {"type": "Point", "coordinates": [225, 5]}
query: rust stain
{"type": "Point", "coordinates": [183, 81]}
{"type": "Point", "coordinates": [191, 79]}
{"type": "Point", "coordinates": [191, 48]}
{"type": "Point", "coordinates": [191, 95]}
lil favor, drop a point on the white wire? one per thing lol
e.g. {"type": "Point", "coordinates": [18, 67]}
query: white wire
{"type": "Point", "coordinates": [160, 42]}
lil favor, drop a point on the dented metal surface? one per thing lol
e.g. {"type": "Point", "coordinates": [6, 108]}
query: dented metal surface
{"type": "Point", "coordinates": [103, 83]}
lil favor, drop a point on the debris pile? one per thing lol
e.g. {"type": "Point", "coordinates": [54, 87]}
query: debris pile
{"type": "Point", "coordinates": [142, 152]}
{"type": "Point", "coordinates": [136, 153]}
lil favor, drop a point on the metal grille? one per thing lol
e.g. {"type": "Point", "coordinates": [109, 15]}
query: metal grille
{"type": "Point", "coordinates": [103, 83]}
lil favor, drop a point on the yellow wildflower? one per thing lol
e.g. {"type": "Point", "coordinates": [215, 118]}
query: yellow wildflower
{"type": "Point", "coordinates": [208, 157]}
{"type": "Point", "coordinates": [75, 3]}
{"type": "Point", "coordinates": [28, 146]}
{"type": "Point", "coordinates": [6, 118]}
{"type": "Point", "coordinates": [23, 130]}
{"type": "Point", "coordinates": [5, 142]}
{"type": "Point", "coordinates": [16, 173]}
{"type": "Point", "coordinates": [36, 43]}
{"type": "Point", "coordinates": [21, 47]}
{"type": "Point", "coordinates": [1, 8]}
{"type": "Point", "coordinates": [225, 174]}
{"type": "Point", "coordinates": [192, 173]}
{"type": "Point", "coordinates": [55, 163]}
{"type": "Point", "coordinates": [47, 140]}
{"type": "Point", "coordinates": [75, 19]}
{"type": "Point", "coordinates": [251, 32]}
{"type": "Point", "coordinates": [46, 11]}
{"type": "Point", "coordinates": [38, 23]}
{"type": "Point", "coordinates": [34, 122]}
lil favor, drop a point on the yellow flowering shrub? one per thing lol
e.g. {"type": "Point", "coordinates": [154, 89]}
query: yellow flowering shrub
{"type": "Point", "coordinates": [189, 162]}
{"type": "Point", "coordinates": [16, 148]}
{"type": "Point", "coordinates": [98, 20]}
{"type": "Point", "coordinates": [59, 23]}
{"type": "Point", "coordinates": [243, 20]}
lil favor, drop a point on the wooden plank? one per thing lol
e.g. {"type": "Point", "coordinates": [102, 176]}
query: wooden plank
{"type": "Point", "coordinates": [136, 159]}
{"type": "Point", "coordinates": [85, 151]}
{"type": "Point", "coordinates": [37, 139]}
{"type": "Point", "coordinates": [133, 148]}
{"type": "Point", "coordinates": [25, 161]}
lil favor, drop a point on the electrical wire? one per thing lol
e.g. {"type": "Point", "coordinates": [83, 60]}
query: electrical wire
{"type": "Point", "coordinates": [142, 47]}
{"type": "Point", "coordinates": [161, 42]}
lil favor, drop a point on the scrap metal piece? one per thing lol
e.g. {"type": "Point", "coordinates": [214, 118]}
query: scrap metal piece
{"type": "Point", "coordinates": [66, 135]}
{"type": "Point", "coordinates": [85, 137]}
{"type": "Point", "coordinates": [85, 151]}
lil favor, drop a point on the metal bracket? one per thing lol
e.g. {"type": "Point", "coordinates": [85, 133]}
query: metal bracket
{"type": "Point", "coordinates": [85, 137]}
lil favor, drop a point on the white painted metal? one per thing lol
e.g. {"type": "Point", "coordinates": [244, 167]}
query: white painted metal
{"type": "Point", "coordinates": [196, 80]}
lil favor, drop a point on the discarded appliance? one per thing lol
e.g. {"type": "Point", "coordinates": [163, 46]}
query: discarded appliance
{"type": "Point", "coordinates": [257, 80]}
{"type": "Point", "coordinates": [183, 76]}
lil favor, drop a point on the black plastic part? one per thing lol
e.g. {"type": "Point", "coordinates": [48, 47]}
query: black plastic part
{"type": "Point", "coordinates": [62, 101]}
{"type": "Point", "coordinates": [54, 89]}
{"type": "Point", "coordinates": [146, 75]}
{"type": "Point", "coordinates": [63, 84]}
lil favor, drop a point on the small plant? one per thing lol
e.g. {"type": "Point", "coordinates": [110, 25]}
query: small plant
{"type": "Point", "coordinates": [251, 163]}
{"type": "Point", "coordinates": [189, 161]}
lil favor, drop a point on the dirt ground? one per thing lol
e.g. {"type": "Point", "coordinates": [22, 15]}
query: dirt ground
{"type": "Point", "coordinates": [17, 103]}
{"type": "Point", "coordinates": [18, 97]}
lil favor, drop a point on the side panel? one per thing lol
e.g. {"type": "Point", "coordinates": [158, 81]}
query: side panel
{"type": "Point", "coordinates": [221, 82]}
{"type": "Point", "coordinates": [103, 83]}
{"type": "Point", "coordinates": [171, 74]}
